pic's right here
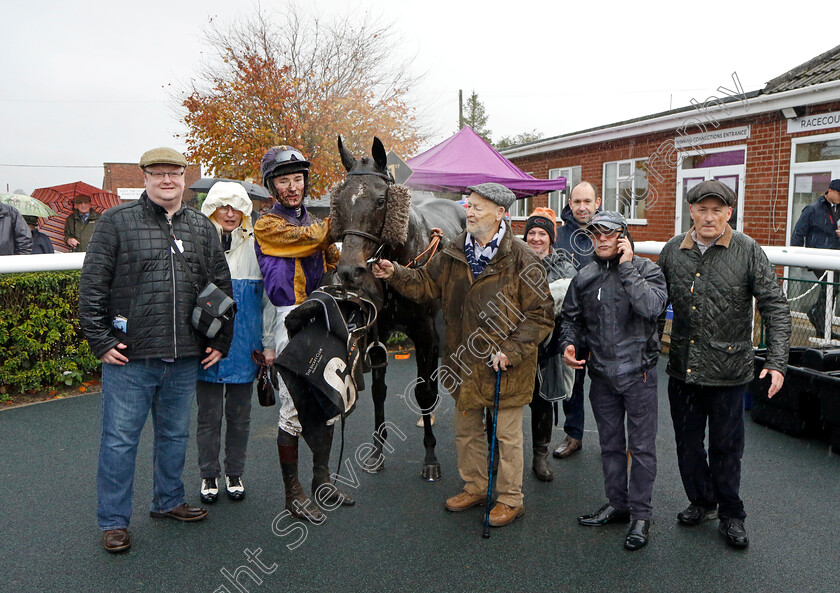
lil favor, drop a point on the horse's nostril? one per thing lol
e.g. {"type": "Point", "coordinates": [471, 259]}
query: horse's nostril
{"type": "Point", "coordinates": [358, 273]}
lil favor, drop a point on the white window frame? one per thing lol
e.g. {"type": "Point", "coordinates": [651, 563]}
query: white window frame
{"type": "Point", "coordinates": [809, 167]}
{"type": "Point", "coordinates": [557, 200]}
{"type": "Point", "coordinates": [521, 208]}
{"type": "Point", "coordinates": [633, 168]}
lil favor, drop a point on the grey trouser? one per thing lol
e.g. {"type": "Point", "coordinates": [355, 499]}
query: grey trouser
{"type": "Point", "coordinates": [638, 403]}
{"type": "Point", "coordinates": [235, 398]}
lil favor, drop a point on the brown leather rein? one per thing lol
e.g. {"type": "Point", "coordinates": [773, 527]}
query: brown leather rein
{"type": "Point", "coordinates": [435, 237]}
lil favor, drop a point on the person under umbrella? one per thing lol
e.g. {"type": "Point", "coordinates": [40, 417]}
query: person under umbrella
{"type": "Point", "coordinates": [40, 242]}
{"type": "Point", "coordinates": [79, 226]}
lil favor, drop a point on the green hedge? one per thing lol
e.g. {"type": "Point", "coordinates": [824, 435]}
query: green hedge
{"type": "Point", "coordinates": [41, 343]}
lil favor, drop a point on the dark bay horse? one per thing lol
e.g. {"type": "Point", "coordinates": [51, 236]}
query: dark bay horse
{"type": "Point", "coordinates": [375, 217]}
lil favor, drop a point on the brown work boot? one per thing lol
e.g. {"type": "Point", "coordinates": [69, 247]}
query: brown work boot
{"type": "Point", "coordinates": [116, 540]}
{"type": "Point", "coordinates": [567, 447]}
{"type": "Point", "coordinates": [503, 514]}
{"type": "Point", "coordinates": [463, 501]}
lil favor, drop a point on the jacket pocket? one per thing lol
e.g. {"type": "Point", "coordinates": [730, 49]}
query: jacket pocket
{"type": "Point", "coordinates": [730, 361]}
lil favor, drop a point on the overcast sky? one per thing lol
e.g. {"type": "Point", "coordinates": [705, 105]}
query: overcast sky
{"type": "Point", "coordinates": [90, 82]}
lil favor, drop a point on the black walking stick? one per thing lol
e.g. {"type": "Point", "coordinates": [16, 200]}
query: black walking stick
{"type": "Point", "coordinates": [490, 473]}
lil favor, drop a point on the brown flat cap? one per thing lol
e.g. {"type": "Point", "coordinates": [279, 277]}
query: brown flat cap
{"type": "Point", "coordinates": [163, 156]}
{"type": "Point", "coordinates": [711, 188]}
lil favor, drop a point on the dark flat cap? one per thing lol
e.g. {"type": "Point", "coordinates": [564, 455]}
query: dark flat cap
{"type": "Point", "coordinates": [835, 184]}
{"type": "Point", "coordinates": [711, 189]}
{"type": "Point", "coordinates": [495, 192]}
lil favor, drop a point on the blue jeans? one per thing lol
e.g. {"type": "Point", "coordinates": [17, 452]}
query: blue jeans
{"type": "Point", "coordinates": [128, 394]}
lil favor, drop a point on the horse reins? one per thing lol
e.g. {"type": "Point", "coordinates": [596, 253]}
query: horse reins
{"type": "Point", "coordinates": [434, 243]}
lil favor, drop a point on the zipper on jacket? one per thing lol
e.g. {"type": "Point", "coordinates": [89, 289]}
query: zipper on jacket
{"type": "Point", "coordinates": [174, 293]}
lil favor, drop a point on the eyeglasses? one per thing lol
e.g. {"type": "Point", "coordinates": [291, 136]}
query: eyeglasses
{"type": "Point", "coordinates": [228, 209]}
{"type": "Point", "coordinates": [161, 175]}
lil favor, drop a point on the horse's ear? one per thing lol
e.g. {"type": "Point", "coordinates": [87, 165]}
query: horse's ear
{"type": "Point", "coordinates": [347, 159]}
{"type": "Point", "coordinates": [379, 154]}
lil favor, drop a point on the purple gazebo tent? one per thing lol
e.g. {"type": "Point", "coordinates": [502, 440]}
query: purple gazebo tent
{"type": "Point", "coordinates": [467, 159]}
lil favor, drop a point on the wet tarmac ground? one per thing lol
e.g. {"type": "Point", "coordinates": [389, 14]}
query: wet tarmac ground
{"type": "Point", "coordinates": [398, 537]}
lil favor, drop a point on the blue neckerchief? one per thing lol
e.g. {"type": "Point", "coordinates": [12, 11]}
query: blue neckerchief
{"type": "Point", "coordinates": [478, 261]}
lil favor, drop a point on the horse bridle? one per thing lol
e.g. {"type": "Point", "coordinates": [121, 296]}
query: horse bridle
{"type": "Point", "coordinates": [368, 236]}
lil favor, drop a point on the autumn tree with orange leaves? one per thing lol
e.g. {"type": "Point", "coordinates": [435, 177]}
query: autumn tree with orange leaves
{"type": "Point", "coordinates": [300, 81]}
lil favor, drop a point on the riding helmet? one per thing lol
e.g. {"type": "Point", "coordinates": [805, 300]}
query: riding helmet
{"type": "Point", "coordinates": [283, 160]}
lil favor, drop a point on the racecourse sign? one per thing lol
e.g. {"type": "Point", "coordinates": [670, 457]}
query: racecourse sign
{"type": "Point", "coordinates": [814, 122]}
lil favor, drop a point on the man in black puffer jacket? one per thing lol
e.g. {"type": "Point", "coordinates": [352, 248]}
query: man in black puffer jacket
{"type": "Point", "coordinates": [818, 227]}
{"type": "Point", "coordinates": [713, 273]}
{"type": "Point", "coordinates": [135, 306]}
{"type": "Point", "coordinates": [612, 306]}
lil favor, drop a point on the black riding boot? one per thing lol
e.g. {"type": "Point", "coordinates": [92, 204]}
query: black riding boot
{"type": "Point", "coordinates": [296, 501]}
{"type": "Point", "coordinates": [330, 495]}
{"type": "Point", "coordinates": [541, 418]}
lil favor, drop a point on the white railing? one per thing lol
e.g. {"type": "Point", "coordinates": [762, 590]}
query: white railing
{"type": "Point", "coordinates": [42, 262]}
{"type": "Point", "coordinates": [802, 257]}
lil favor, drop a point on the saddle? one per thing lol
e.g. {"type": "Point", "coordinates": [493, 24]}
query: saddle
{"type": "Point", "coordinates": [323, 359]}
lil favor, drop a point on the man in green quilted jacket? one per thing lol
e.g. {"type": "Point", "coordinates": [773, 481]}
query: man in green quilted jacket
{"type": "Point", "coordinates": [713, 273]}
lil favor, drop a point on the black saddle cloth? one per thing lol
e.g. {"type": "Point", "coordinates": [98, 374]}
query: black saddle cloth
{"type": "Point", "coordinates": [323, 359]}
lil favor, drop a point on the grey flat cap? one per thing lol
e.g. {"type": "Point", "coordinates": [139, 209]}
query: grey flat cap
{"type": "Point", "coordinates": [496, 193]}
{"type": "Point", "coordinates": [613, 221]}
{"type": "Point", "coordinates": [711, 188]}
{"type": "Point", "coordinates": [162, 156]}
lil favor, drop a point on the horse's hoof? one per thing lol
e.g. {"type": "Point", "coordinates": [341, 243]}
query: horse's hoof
{"type": "Point", "coordinates": [374, 464]}
{"type": "Point", "coordinates": [431, 473]}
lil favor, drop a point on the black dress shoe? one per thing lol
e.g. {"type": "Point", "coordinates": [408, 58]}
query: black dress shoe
{"type": "Point", "coordinates": [116, 540]}
{"type": "Point", "coordinates": [235, 487]}
{"type": "Point", "coordinates": [734, 532]}
{"type": "Point", "coordinates": [695, 514]}
{"type": "Point", "coordinates": [606, 514]}
{"type": "Point", "coordinates": [209, 490]}
{"type": "Point", "coordinates": [637, 536]}
{"type": "Point", "coordinates": [181, 513]}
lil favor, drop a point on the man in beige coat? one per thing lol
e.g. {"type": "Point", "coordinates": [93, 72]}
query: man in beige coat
{"type": "Point", "coordinates": [496, 315]}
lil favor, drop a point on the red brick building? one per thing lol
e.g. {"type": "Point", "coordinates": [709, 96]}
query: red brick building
{"type": "Point", "coordinates": [778, 148]}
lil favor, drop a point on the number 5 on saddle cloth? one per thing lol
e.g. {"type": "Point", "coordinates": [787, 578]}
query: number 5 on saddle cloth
{"type": "Point", "coordinates": [323, 359]}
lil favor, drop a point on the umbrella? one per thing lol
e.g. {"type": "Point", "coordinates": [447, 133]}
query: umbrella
{"type": "Point", "coordinates": [257, 192]}
{"type": "Point", "coordinates": [60, 198]}
{"type": "Point", "coordinates": [27, 205]}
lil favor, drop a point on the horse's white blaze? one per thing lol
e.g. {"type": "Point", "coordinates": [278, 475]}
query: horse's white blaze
{"type": "Point", "coordinates": [356, 196]}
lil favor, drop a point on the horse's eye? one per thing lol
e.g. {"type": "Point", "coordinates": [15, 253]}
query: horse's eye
{"type": "Point", "coordinates": [380, 202]}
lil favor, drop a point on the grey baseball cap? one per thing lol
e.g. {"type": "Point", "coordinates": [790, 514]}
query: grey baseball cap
{"type": "Point", "coordinates": [711, 188]}
{"type": "Point", "coordinates": [606, 219]}
{"type": "Point", "coordinates": [496, 193]}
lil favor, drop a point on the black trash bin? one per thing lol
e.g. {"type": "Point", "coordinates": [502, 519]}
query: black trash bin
{"type": "Point", "coordinates": [823, 366]}
{"type": "Point", "coordinates": [795, 409]}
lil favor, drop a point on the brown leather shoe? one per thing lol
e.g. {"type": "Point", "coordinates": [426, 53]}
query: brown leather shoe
{"type": "Point", "coordinates": [116, 540]}
{"type": "Point", "coordinates": [503, 514]}
{"type": "Point", "coordinates": [463, 501]}
{"type": "Point", "coordinates": [567, 447]}
{"type": "Point", "coordinates": [181, 513]}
